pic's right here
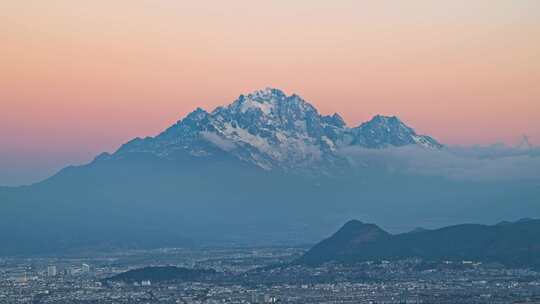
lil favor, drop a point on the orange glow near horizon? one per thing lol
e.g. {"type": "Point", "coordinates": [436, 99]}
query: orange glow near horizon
{"type": "Point", "coordinates": [81, 77]}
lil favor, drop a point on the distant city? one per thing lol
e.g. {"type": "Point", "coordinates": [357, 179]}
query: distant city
{"type": "Point", "coordinates": [336, 270]}
{"type": "Point", "coordinates": [259, 275]}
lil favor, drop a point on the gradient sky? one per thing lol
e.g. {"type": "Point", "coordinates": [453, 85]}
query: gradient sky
{"type": "Point", "coordinates": [81, 77]}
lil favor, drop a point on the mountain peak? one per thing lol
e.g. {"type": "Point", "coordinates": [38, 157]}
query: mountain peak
{"type": "Point", "coordinates": [352, 224]}
{"type": "Point", "coordinates": [197, 114]}
{"type": "Point", "coordinates": [266, 93]}
{"type": "Point", "coordinates": [359, 232]}
{"type": "Point", "coordinates": [271, 129]}
{"type": "Point", "coordinates": [335, 120]}
{"type": "Point", "coordinates": [269, 101]}
{"type": "Point", "coordinates": [386, 121]}
{"type": "Point", "coordinates": [379, 117]}
{"type": "Point", "coordinates": [352, 236]}
{"type": "Point", "coordinates": [386, 131]}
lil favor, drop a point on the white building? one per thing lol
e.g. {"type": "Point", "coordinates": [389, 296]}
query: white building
{"type": "Point", "coordinates": [51, 271]}
{"type": "Point", "coordinates": [85, 268]}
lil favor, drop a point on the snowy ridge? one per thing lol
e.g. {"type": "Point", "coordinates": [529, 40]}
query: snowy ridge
{"type": "Point", "coordinates": [271, 130]}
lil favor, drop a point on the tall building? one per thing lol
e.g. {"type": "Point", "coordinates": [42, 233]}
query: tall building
{"type": "Point", "coordinates": [85, 268]}
{"type": "Point", "coordinates": [51, 271]}
{"type": "Point", "coordinates": [257, 298]}
{"type": "Point", "coordinates": [69, 271]}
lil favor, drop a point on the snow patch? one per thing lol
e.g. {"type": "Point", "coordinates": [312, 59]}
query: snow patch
{"type": "Point", "coordinates": [266, 108]}
{"type": "Point", "coordinates": [222, 143]}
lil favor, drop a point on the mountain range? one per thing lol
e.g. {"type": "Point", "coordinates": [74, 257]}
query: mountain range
{"type": "Point", "coordinates": [266, 169]}
{"type": "Point", "coordinates": [514, 244]}
{"type": "Point", "coordinates": [271, 130]}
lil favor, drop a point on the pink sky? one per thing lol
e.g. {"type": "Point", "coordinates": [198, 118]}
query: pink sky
{"type": "Point", "coordinates": [81, 77]}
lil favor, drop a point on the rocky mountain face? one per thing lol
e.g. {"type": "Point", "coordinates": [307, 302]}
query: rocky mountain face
{"type": "Point", "coordinates": [383, 131]}
{"type": "Point", "coordinates": [271, 130]}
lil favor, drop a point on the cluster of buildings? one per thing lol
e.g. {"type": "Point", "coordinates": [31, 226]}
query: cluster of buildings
{"type": "Point", "coordinates": [52, 270]}
{"type": "Point", "coordinates": [243, 281]}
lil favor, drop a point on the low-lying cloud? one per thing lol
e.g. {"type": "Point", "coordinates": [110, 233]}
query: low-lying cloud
{"type": "Point", "coordinates": [475, 163]}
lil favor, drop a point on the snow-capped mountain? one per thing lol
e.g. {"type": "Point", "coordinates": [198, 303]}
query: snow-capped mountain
{"type": "Point", "coordinates": [383, 131]}
{"type": "Point", "coordinates": [271, 130]}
